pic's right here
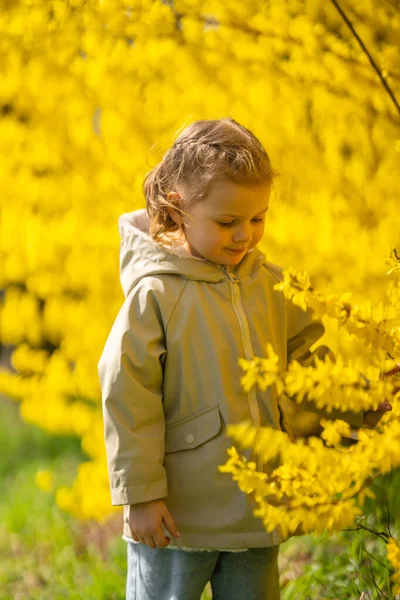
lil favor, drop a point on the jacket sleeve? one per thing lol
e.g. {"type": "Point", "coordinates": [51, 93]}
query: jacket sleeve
{"type": "Point", "coordinates": [131, 378]}
{"type": "Point", "coordinates": [302, 333]}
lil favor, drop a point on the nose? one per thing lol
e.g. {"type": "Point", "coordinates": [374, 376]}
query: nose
{"type": "Point", "coordinates": [242, 235]}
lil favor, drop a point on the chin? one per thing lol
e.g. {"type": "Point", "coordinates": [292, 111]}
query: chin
{"type": "Point", "coordinates": [235, 260]}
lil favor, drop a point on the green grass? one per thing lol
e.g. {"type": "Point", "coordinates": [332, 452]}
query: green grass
{"type": "Point", "coordinates": [340, 567]}
{"type": "Point", "coordinates": [348, 563]}
{"type": "Point", "coordinates": [45, 554]}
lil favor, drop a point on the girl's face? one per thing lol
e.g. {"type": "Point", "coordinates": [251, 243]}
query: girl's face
{"type": "Point", "coordinates": [231, 217]}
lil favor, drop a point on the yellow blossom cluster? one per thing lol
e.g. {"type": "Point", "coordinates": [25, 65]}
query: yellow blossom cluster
{"type": "Point", "coordinates": [322, 473]}
{"type": "Point", "coordinates": [337, 382]}
{"type": "Point", "coordinates": [44, 480]}
{"type": "Point", "coordinates": [320, 483]}
{"type": "Point", "coordinates": [393, 554]}
{"type": "Point", "coordinates": [316, 485]}
{"type": "Point", "coordinates": [328, 383]}
{"type": "Point", "coordinates": [376, 324]}
{"type": "Point", "coordinates": [92, 93]}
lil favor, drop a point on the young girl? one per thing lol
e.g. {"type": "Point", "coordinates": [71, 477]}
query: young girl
{"type": "Point", "coordinates": [199, 295]}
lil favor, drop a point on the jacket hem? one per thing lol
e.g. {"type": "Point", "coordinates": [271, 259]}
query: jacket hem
{"type": "Point", "coordinates": [188, 548]}
{"type": "Point", "coordinates": [218, 541]}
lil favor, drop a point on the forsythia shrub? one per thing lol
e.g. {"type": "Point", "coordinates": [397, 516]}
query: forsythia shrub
{"type": "Point", "coordinates": [319, 483]}
{"type": "Point", "coordinates": [91, 95]}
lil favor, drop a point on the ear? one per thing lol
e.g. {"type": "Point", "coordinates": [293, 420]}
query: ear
{"type": "Point", "coordinates": [175, 198]}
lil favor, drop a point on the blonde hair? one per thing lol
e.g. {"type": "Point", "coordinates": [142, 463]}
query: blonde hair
{"type": "Point", "coordinates": [204, 150]}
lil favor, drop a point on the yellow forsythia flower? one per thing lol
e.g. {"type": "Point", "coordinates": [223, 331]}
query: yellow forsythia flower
{"type": "Point", "coordinates": [64, 498]}
{"type": "Point", "coordinates": [334, 430]}
{"type": "Point", "coordinates": [393, 554]}
{"type": "Point", "coordinates": [44, 480]}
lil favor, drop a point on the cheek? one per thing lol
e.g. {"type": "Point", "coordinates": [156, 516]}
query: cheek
{"type": "Point", "coordinates": [225, 237]}
{"type": "Point", "coordinates": [219, 236]}
{"type": "Point", "coordinates": [258, 235]}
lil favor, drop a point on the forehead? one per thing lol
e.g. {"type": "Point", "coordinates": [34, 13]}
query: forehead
{"type": "Point", "coordinates": [225, 197]}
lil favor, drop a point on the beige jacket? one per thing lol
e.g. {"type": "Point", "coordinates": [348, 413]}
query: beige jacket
{"type": "Point", "coordinates": [170, 382]}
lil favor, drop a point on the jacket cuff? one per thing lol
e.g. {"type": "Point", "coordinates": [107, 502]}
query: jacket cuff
{"type": "Point", "coordinates": [354, 419]}
{"type": "Point", "coordinates": [139, 493]}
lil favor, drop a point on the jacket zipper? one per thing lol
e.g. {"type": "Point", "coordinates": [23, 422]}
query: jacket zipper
{"type": "Point", "coordinates": [248, 351]}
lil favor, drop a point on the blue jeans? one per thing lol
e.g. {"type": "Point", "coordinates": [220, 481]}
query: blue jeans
{"type": "Point", "coordinates": [165, 574]}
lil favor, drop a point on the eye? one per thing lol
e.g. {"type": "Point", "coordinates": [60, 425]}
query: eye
{"type": "Point", "coordinates": [232, 222]}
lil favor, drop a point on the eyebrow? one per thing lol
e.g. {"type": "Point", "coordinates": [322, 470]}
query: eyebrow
{"type": "Point", "coordinates": [232, 215]}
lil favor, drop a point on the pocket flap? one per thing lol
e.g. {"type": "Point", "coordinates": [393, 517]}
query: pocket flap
{"type": "Point", "coordinates": [193, 431]}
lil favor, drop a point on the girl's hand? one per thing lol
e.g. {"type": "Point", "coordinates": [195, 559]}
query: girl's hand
{"type": "Point", "coordinates": [145, 520]}
{"type": "Point", "coordinates": [372, 417]}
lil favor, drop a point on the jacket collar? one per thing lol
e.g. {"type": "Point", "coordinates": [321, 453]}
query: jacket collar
{"type": "Point", "coordinates": [140, 255]}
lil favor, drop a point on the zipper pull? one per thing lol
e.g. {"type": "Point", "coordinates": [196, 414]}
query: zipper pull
{"type": "Point", "coordinates": [231, 276]}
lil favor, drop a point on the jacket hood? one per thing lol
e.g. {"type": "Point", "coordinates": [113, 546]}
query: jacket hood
{"type": "Point", "coordinates": [140, 255]}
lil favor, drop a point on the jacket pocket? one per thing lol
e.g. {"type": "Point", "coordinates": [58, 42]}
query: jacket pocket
{"type": "Point", "coordinates": [191, 432]}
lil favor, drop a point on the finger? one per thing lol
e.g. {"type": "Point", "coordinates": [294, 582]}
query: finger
{"type": "Point", "coordinates": [396, 369]}
{"type": "Point", "coordinates": [149, 541]}
{"type": "Point", "coordinates": [160, 539]}
{"type": "Point", "coordinates": [170, 523]}
{"type": "Point", "coordinates": [385, 406]}
{"type": "Point", "coordinates": [135, 537]}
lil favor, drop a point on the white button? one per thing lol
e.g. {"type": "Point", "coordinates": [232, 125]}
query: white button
{"type": "Point", "coordinates": [190, 438]}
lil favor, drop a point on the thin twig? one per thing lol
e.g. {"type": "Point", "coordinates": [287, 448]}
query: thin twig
{"type": "Point", "coordinates": [381, 534]}
{"type": "Point", "coordinates": [356, 588]}
{"type": "Point", "coordinates": [378, 561]}
{"type": "Point", "coordinates": [388, 519]}
{"type": "Point", "coordinates": [371, 60]}
{"type": "Point", "coordinates": [378, 589]}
